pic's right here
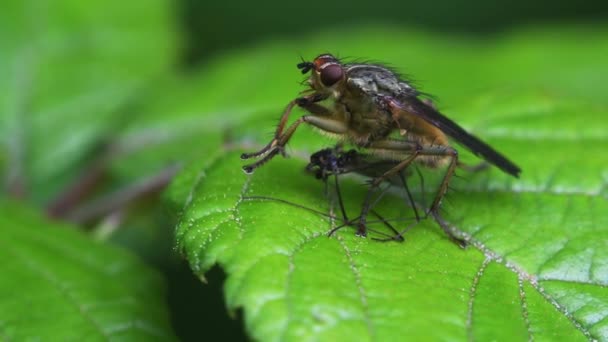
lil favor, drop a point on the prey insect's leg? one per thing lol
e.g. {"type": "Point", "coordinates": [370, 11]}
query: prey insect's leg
{"type": "Point", "coordinates": [389, 144]}
{"type": "Point", "coordinates": [416, 151]}
{"type": "Point", "coordinates": [409, 195]}
{"type": "Point", "coordinates": [307, 103]}
{"type": "Point", "coordinates": [397, 236]}
{"type": "Point", "coordinates": [412, 203]}
{"type": "Point", "coordinates": [318, 212]}
{"type": "Point", "coordinates": [453, 234]}
{"type": "Point", "coordinates": [325, 124]}
{"type": "Point", "coordinates": [474, 168]}
{"type": "Point", "coordinates": [422, 190]}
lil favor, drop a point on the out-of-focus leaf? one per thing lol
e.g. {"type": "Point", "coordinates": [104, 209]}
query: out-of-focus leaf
{"type": "Point", "coordinates": [67, 68]}
{"type": "Point", "coordinates": [59, 285]}
{"type": "Point", "coordinates": [538, 267]}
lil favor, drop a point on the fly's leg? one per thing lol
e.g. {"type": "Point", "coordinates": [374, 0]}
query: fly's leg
{"type": "Point", "coordinates": [412, 203]}
{"type": "Point", "coordinates": [456, 236]}
{"type": "Point", "coordinates": [277, 134]}
{"type": "Point", "coordinates": [413, 151]}
{"type": "Point", "coordinates": [405, 147]}
{"type": "Point", "coordinates": [397, 236]}
{"type": "Point", "coordinates": [308, 103]}
{"type": "Point", "coordinates": [277, 145]}
{"type": "Point", "coordinates": [474, 168]}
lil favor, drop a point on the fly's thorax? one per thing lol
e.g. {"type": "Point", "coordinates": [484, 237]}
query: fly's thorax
{"type": "Point", "coordinates": [377, 80]}
{"type": "Point", "coordinates": [365, 83]}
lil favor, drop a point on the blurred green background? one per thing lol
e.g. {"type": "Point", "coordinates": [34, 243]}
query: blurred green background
{"type": "Point", "coordinates": [214, 26]}
{"type": "Point", "coordinates": [207, 31]}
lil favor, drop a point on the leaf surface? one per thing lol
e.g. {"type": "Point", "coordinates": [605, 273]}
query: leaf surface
{"type": "Point", "coordinates": [537, 267]}
{"type": "Point", "coordinates": [59, 284]}
{"type": "Point", "coordinates": [69, 69]}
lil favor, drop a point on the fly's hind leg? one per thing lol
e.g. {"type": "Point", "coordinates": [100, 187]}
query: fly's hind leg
{"type": "Point", "coordinates": [413, 151]}
{"type": "Point", "coordinates": [475, 167]}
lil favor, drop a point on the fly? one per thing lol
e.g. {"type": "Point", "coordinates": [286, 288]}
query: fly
{"type": "Point", "coordinates": [372, 107]}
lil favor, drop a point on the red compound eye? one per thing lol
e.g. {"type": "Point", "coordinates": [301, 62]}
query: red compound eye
{"type": "Point", "coordinates": [331, 74]}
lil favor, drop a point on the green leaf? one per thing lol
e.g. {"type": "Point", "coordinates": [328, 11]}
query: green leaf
{"type": "Point", "coordinates": [538, 264]}
{"type": "Point", "coordinates": [58, 284]}
{"type": "Point", "coordinates": [68, 67]}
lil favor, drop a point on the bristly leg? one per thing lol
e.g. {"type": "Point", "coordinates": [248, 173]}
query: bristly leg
{"type": "Point", "coordinates": [277, 144]}
{"type": "Point", "coordinates": [416, 152]}
{"type": "Point", "coordinates": [456, 236]}
{"type": "Point", "coordinates": [272, 144]}
{"type": "Point", "coordinates": [251, 167]}
{"type": "Point", "coordinates": [397, 235]}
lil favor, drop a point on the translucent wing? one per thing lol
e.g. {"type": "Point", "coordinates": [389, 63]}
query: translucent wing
{"type": "Point", "coordinates": [417, 107]}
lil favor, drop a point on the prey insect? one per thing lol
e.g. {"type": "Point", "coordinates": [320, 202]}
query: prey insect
{"type": "Point", "coordinates": [334, 161]}
{"type": "Point", "coordinates": [327, 168]}
{"type": "Point", "coordinates": [373, 108]}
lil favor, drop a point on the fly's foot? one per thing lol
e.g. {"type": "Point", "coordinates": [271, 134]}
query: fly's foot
{"type": "Point", "coordinates": [462, 243]}
{"type": "Point", "coordinates": [264, 150]}
{"type": "Point", "coordinates": [268, 153]}
{"type": "Point", "coordinates": [454, 234]}
{"type": "Point", "coordinates": [361, 230]}
{"type": "Point", "coordinates": [281, 150]}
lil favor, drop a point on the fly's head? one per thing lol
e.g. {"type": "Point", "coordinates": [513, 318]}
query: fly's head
{"type": "Point", "coordinates": [327, 74]}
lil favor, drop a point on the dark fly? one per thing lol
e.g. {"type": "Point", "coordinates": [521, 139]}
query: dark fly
{"type": "Point", "coordinates": [371, 107]}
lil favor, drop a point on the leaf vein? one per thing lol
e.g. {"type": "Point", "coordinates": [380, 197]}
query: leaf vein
{"type": "Point", "coordinates": [472, 291]}
{"type": "Point", "coordinates": [362, 292]}
{"type": "Point", "coordinates": [550, 257]}
{"type": "Point", "coordinates": [30, 264]}
{"type": "Point", "coordinates": [562, 310]}
{"type": "Point", "coordinates": [524, 308]}
{"type": "Point", "coordinates": [288, 302]}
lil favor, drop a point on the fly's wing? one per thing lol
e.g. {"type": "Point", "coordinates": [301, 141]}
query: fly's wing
{"type": "Point", "coordinates": [415, 106]}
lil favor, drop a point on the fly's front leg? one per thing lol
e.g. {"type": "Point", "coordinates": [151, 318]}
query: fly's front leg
{"type": "Point", "coordinates": [323, 123]}
{"type": "Point", "coordinates": [304, 102]}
